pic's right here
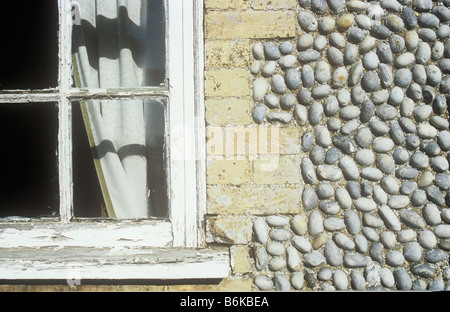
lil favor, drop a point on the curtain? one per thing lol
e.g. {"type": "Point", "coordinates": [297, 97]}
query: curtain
{"type": "Point", "coordinates": [110, 49]}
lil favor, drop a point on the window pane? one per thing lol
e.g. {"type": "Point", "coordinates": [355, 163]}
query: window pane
{"type": "Point", "coordinates": [29, 53]}
{"type": "Point", "coordinates": [29, 180]}
{"type": "Point", "coordinates": [119, 45]}
{"type": "Point", "coordinates": [120, 159]}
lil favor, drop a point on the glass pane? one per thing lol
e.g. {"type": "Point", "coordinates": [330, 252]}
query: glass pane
{"type": "Point", "coordinates": [29, 53]}
{"type": "Point", "coordinates": [119, 45]}
{"type": "Point", "coordinates": [29, 181]}
{"type": "Point", "coordinates": [120, 159]}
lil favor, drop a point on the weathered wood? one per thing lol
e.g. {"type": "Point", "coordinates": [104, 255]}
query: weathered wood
{"type": "Point", "coordinates": [114, 263]}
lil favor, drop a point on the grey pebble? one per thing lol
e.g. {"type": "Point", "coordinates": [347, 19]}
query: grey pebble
{"type": "Point", "coordinates": [367, 110]}
{"type": "Point", "coordinates": [307, 141]}
{"type": "Point", "coordinates": [412, 219]}
{"type": "Point", "coordinates": [352, 222]}
{"type": "Point", "coordinates": [427, 239]}
{"type": "Point", "coordinates": [259, 113]}
{"type": "Point", "coordinates": [435, 195]}
{"type": "Point", "coordinates": [442, 181]}
{"type": "Point", "coordinates": [343, 197]}
{"type": "Point", "coordinates": [394, 258]}
{"type": "Point", "coordinates": [431, 214]}
{"type": "Point", "coordinates": [329, 173]}
{"type": "Point", "coordinates": [281, 282]}
{"type": "Point", "coordinates": [263, 282]}
{"type": "Point", "coordinates": [434, 75]}
{"type": "Point", "coordinates": [380, 128]}
{"type": "Point", "coordinates": [370, 234]}
{"type": "Point", "coordinates": [324, 274]}
{"type": "Point", "coordinates": [261, 258]}
{"type": "Point", "coordinates": [349, 168]}
{"type": "Point", "coordinates": [304, 96]}
{"type": "Point", "coordinates": [390, 185]}
{"type": "Point", "coordinates": [297, 280]}
{"type": "Point", "coordinates": [407, 173]}
{"type": "Point", "coordinates": [427, 34]}
{"type": "Point", "coordinates": [386, 112]}
{"type": "Point", "coordinates": [340, 279]}
{"type": "Point", "coordinates": [271, 100]}
{"type": "Point", "coordinates": [345, 144]}
{"type": "Point", "coordinates": [317, 155]}
{"type": "Point", "coordinates": [418, 198]}
{"type": "Point", "coordinates": [365, 204]}
{"type": "Point", "coordinates": [315, 113]}
{"type": "Point", "coordinates": [355, 260]}
{"type": "Point", "coordinates": [280, 235]}
{"type": "Point", "coordinates": [397, 134]}
{"type": "Point", "coordinates": [389, 217]}
{"type": "Point", "coordinates": [428, 20]}
{"type": "Point", "coordinates": [286, 47]}
{"type": "Point", "coordinates": [332, 254]}
{"type": "Point", "coordinates": [278, 83]}
{"type": "Point", "coordinates": [313, 259]}
{"type": "Point", "coordinates": [332, 224]}
{"type": "Point", "coordinates": [402, 279]}
{"type": "Point", "coordinates": [271, 51]}
{"type": "Point", "coordinates": [324, 190]}
{"type": "Point", "coordinates": [435, 255]}
{"type": "Point", "coordinates": [423, 270]}
{"type": "Point", "coordinates": [288, 101]}
{"type": "Point", "coordinates": [308, 56]}
{"type": "Point", "coordinates": [382, 144]}
{"type": "Point", "coordinates": [370, 81]}
{"type": "Point", "coordinates": [405, 236]}
{"type": "Point", "coordinates": [380, 31]}
{"type": "Point", "coordinates": [403, 77]}
{"type": "Point", "coordinates": [283, 117]}
{"type": "Point", "coordinates": [372, 220]}
{"type": "Point", "coordinates": [361, 243]}
{"type": "Point", "coordinates": [384, 53]}
{"type": "Point", "coordinates": [308, 171]}
{"type": "Point", "coordinates": [332, 156]}
{"type": "Point", "coordinates": [376, 252]}
{"type": "Point", "coordinates": [322, 72]}
{"type": "Point", "coordinates": [335, 56]}
{"type": "Point", "coordinates": [302, 244]}
{"type": "Point", "coordinates": [350, 54]}
{"type": "Point", "coordinates": [355, 35]}
{"type": "Point", "coordinates": [292, 80]}
{"type": "Point", "coordinates": [353, 189]}
{"type": "Point", "coordinates": [409, 17]}
{"type": "Point", "coordinates": [397, 43]}
{"type": "Point", "coordinates": [408, 187]}
{"type": "Point", "coordinates": [387, 238]}
{"type": "Point", "coordinates": [419, 160]}
{"type": "Point", "coordinates": [307, 21]}
{"type": "Point", "coordinates": [321, 91]}
{"type": "Point", "coordinates": [419, 74]}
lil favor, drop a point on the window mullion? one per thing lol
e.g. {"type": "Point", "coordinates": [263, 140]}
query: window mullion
{"type": "Point", "coordinates": [65, 113]}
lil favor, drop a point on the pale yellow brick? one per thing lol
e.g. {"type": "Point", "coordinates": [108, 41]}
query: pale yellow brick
{"type": "Point", "coordinates": [240, 259]}
{"type": "Point", "coordinates": [229, 230]}
{"type": "Point", "coordinates": [228, 111]}
{"type": "Point", "coordinates": [224, 199]}
{"type": "Point", "coordinates": [227, 83]}
{"type": "Point", "coordinates": [273, 5]}
{"type": "Point", "coordinates": [277, 169]}
{"type": "Point", "coordinates": [250, 24]}
{"type": "Point", "coordinates": [226, 285]}
{"type": "Point", "coordinates": [226, 5]}
{"type": "Point", "coordinates": [227, 171]}
{"type": "Point", "coordinates": [252, 141]}
{"type": "Point", "coordinates": [227, 54]}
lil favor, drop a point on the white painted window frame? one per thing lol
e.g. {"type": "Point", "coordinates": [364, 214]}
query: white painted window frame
{"type": "Point", "coordinates": [126, 249]}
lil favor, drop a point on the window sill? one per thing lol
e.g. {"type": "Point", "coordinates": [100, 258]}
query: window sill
{"type": "Point", "coordinates": [103, 251]}
{"type": "Point", "coordinates": [70, 264]}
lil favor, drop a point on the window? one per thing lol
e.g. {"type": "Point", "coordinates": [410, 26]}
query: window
{"type": "Point", "coordinates": [102, 118]}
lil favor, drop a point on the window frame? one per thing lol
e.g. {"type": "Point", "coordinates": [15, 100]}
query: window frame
{"type": "Point", "coordinates": [97, 247]}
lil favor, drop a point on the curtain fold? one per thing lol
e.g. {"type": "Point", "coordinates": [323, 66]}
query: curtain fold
{"type": "Point", "coordinates": [109, 52]}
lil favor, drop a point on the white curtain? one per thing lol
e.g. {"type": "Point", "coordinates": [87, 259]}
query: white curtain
{"type": "Point", "coordinates": [109, 52]}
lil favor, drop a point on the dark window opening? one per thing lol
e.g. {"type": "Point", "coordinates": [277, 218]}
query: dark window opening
{"type": "Point", "coordinates": [29, 184]}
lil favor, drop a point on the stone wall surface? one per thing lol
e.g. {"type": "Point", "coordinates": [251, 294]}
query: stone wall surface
{"type": "Point", "coordinates": [328, 140]}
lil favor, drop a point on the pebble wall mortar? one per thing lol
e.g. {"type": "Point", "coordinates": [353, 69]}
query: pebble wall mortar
{"type": "Point", "coordinates": [367, 85]}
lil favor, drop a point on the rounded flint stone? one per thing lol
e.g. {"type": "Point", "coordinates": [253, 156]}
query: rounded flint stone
{"type": "Point", "coordinates": [380, 31]}
{"type": "Point", "coordinates": [259, 113]}
{"type": "Point", "coordinates": [329, 173]}
{"type": "Point", "coordinates": [271, 51]}
{"type": "Point", "coordinates": [390, 219]}
{"type": "Point", "coordinates": [308, 56]}
{"type": "Point", "coordinates": [343, 198]}
{"type": "Point", "coordinates": [352, 222]}
{"type": "Point", "coordinates": [308, 172]}
{"type": "Point", "coordinates": [335, 57]}
{"type": "Point", "coordinates": [307, 141]}
{"type": "Point", "coordinates": [307, 21]}
{"type": "Point", "coordinates": [280, 235]}
{"type": "Point", "coordinates": [345, 144]}
{"type": "Point", "coordinates": [409, 17]}
{"type": "Point", "coordinates": [332, 254]}
{"type": "Point", "coordinates": [412, 219]}
{"type": "Point", "coordinates": [278, 84]}
{"type": "Point", "coordinates": [315, 113]}
{"type": "Point", "coordinates": [292, 79]}
{"type": "Point", "coordinates": [370, 81]}
{"type": "Point", "coordinates": [355, 260]}
{"type": "Point", "coordinates": [260, 230]}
